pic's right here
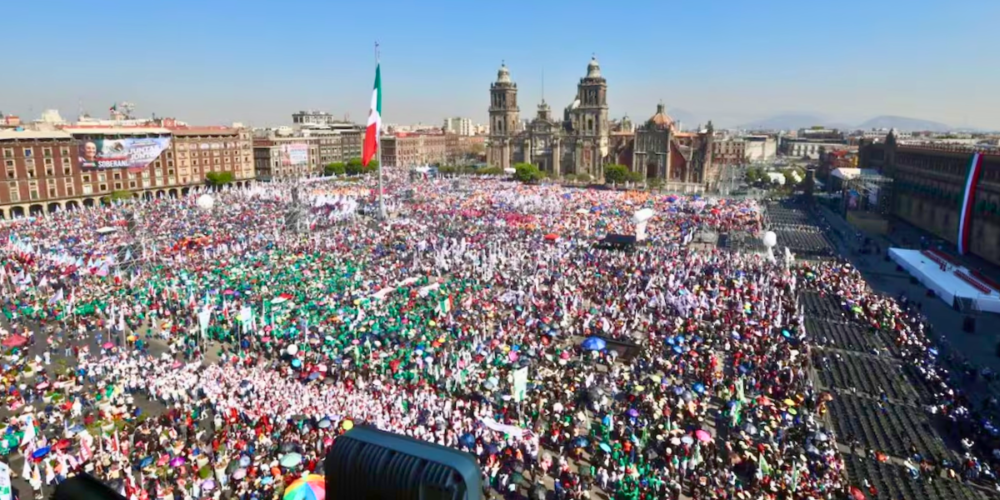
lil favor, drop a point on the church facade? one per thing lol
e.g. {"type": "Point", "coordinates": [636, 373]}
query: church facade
{"type": "Point", "coordinates": [583, 140]}
{"type": "Point", "coordinates": [576, 143]}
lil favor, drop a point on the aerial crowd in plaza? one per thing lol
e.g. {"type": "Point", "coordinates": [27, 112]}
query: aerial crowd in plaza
{"type": "Point", "coordinates": [176, 348]}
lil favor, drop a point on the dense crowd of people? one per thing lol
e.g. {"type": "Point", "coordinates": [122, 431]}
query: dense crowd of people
{"type": "Point", "coordinates": [179, 349]}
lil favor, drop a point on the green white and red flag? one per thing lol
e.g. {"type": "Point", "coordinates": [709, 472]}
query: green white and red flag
{"type": "Point", "coordinates": [374, 120]}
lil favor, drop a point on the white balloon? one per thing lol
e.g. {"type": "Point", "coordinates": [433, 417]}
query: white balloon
{"type": "Point", "coordinates": [293, 350]}
{"type": "Point", "coordinates": [770, 239]}
{"type": "Point", "coordinates": [643, 215]}
{"type": "Point", "coordinates": [206, 202]}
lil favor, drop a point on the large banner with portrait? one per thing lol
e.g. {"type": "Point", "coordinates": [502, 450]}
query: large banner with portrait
{"type": "Point", "coordinates": [294, 155]}
{"type": "Point", "coordinates": [133, 153]}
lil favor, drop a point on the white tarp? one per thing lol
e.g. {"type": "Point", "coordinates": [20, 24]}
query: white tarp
{"type": "Point", "coordinates": [945, 283]}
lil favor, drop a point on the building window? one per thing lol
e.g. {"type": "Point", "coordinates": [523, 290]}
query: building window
{"type": "Point", "coordinates": [117, 175]}
{"type": "Point", "coordinates": [33, 194]}
{"type": "Point", "coordinates": [118, 186]}
{"type": "Point", "coordinates": [65, 162]}
{"type": "Point", "coordinates": [63, 151]}
{"type": "Point", "coordinates": [15, 193]}
{"type": "Point", "coordinates": [85, 177]}
{"type": "Point", "coordinates": [170, 163]}
{"type": "Point", "coordinates": [8, 153]}
{"type": "Point", "coordinates": [48, 161]}
{"type": "Point", "coordinates": [50, 172]}
{"type": "Point", "coordinates": [52, 192]}
{"type": "Point", "coordinates": [145, 174]}
{"type": "Point", "coordinates": [31, 173]}
{"type": "Point", "coordinates": [47, 152]}
{"type": "Point", "coordinates": [102, 177]}
{"type": "Point", "coordinates": [87, 189]}
{"type": "Point", "coordinates": [28, 152]}
{"type": "Point", "coordinates": [131, 184]}
{"type": "Point", "coordinates": [102, 187]}
{"type": "Point", "coordinates": [69, 189]}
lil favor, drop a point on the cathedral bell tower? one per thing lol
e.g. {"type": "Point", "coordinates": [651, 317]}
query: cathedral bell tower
{"type": "Point", "coordinates": [592, 120]}
{"type": "Point", "coordinates": [503, 119]}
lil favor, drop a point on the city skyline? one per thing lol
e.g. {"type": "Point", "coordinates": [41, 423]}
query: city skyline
{"type": "Point", "coordinates": [231, 61]}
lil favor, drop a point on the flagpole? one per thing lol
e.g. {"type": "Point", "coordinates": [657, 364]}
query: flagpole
{"type": "Point", "coordinates": [378, 146]}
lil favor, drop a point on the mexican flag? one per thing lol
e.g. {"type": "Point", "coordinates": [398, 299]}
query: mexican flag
{"type": "Point", "coordinates": [374, 120]}
{"type": "Point", "coordinates": [444, 306]}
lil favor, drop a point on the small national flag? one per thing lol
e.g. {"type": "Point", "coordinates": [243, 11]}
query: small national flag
{"type": "Point", "coordinates": [114, 107]}
{"type": "Point", "coordinates": [374, 120]}
{"type": "Point", "coordinates": [444, 306]}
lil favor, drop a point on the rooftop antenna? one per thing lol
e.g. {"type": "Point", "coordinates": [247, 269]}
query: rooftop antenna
{"type": "Point", "coordinates": [543, 85]}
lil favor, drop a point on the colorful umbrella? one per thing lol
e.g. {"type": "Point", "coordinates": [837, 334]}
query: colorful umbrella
{"type": "Point", "coordinates": [291, 460]}
{"type": "Point", "coordinates": [309, 487]}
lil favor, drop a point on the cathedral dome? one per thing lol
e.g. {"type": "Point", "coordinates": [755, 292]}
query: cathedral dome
{"type": "Point", "coordinates": [503, 75]}
{"type": "Point", "coordinates": [593, 69]}
{"type": "Point", "coordinates": [661, 119]}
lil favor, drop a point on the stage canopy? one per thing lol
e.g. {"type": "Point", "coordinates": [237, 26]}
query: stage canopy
{"type": "Point", "coordinates": [946, 278]}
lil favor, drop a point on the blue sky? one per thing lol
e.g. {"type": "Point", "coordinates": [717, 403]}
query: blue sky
{"type": "Point", "coordinates": [733, 61]}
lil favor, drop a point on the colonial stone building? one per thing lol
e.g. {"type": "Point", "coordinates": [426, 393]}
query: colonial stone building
{"type": "Point", "coordinates": [928, 181]}
{"type": "Point", "coordinates": [578, 143]}
{"type": "Point", "coordinates": [583, 140]}
{"type": "Point", "coordinates": [682, 160]}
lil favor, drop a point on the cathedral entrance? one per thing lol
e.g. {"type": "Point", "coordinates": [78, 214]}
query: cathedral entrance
{"type": "Point", "coordinates": [651, 170]}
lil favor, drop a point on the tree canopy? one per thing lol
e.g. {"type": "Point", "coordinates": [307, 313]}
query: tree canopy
{"type": "Point", "coordinates": [218, 178]}
{"type": "Point", "coordinates": [527, 173]}
{"type": "Point", "coordinates": [620, 174]}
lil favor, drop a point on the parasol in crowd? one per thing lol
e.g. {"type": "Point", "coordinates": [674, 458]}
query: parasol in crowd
{"type": "Point", "coordinates": [309, 487]}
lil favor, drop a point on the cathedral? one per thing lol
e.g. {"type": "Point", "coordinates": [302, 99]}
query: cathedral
{"type": "Point", "coordinates": [584, 140]}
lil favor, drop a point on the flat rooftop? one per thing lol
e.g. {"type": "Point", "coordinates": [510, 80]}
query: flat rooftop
{"type": "Point", "coordinates": [117, 130]}
{"type": "Point", "coordinates": [27, 135]}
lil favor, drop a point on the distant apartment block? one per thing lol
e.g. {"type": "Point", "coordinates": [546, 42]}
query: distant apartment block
{"type": "Point", "coordinates": [459, 126]}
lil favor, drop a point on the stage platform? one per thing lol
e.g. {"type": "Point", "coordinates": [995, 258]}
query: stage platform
{"type": "Point", "coordinates": [946, 278]}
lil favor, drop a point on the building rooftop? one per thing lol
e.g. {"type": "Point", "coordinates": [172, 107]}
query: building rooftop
{"type": "Point", "coordinates": [116, 130]}
{"type": "Point", "coordinates": [33, 134]}
{"type": "Point", "coordinates": [189, 131]}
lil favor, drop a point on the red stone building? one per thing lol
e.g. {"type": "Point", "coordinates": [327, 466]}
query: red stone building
{"type": "Point", "coordinates": [927, 185]}
{"type": "Point", "coordinates": [42, 170]}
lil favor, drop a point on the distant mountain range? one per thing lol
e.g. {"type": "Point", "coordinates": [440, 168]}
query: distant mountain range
{"type": "Point", "coordinates": [903, 123]}
{"type": "Point", "coordinates": [795, 121]}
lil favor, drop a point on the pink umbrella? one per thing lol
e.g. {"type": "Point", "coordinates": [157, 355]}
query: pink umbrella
{"type": "Point", "coordinates": [702, 436]}
{"type": "Point", "coordinates": [108, 345]}
{"type": "Point", "coordinates": [15, 341]}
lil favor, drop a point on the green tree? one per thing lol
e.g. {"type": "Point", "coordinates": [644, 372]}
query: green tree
{"type": "Point", "coordinates": [527, 173]}
{"type": "Point", "coordinates": [754, 175]}
{"type": "Point", "coordinates": [336, 168]}
{"type": "Point", "coordinates": [616, 174]}
{"type": "Point", "coordinates": [354, 166]}
{"type": "Point", "coordinates": [216, 179]}
{"type": "Point", "coordinates": [489, 171]}
{"type": "Point", "coordinates": [120, 195]}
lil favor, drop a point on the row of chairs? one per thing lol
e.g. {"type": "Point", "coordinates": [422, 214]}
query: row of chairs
{"type": "Point", "coordinates": [817, 306]}
{"type": "Point", "coordinates": [864, 374]}
{"type": "Point", "coordinates": [891, 428]}
{"type": "Point", "coordinates": [895, 482]}
{"type": "Point", "coordinates": [841, 334]}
